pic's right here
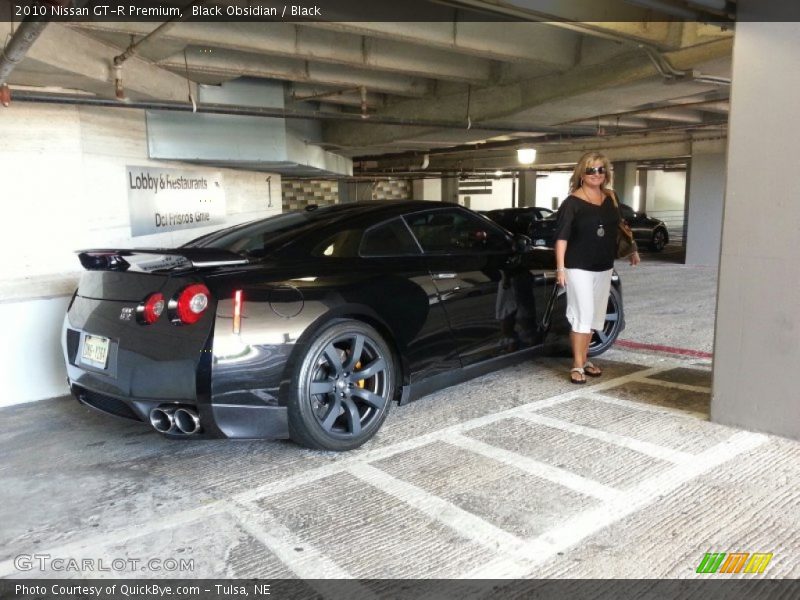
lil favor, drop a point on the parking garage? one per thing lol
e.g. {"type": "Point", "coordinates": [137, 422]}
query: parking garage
{"type": "Point", "coordinates": [150, 132]}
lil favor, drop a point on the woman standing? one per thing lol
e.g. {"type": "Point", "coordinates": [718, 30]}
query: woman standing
{"type": "Point", "coordinates": [586, 242]}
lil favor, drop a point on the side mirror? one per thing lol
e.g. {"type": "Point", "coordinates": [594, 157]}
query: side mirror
{"type": "Point", "coordinates": [522, 244]}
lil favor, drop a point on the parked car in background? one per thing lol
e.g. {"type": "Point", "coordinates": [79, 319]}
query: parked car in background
{"type": "Point", "coordinates": [648, 232]}
{"type": "Point", "coordinates": [310, 324]}
{"type": "Point", "coordinates": [518, 220]}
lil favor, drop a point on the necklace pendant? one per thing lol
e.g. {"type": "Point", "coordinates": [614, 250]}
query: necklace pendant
{"type": "Point", "coordinates": [600, 231]}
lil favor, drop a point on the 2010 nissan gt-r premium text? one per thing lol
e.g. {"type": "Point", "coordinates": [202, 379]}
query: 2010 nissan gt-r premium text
{"type": "Point", "coordinates": [310, 324]}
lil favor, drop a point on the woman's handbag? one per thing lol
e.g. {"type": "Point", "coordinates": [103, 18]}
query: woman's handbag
{"type": "Point", "coordinates": [625, 242]}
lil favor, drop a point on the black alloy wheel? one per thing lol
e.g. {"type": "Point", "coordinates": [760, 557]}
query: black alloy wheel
{"type": "Point", "coordinates": [659, 240]}
{"type": "Point", "coordinates": [603, 340]}
{"type": "Point", "coordinates": [343, 387]}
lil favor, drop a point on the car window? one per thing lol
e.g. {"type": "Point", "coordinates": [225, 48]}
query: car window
{"type": "Point", "coordinates": [523, 221]}
{"type": "Point", "coordinates": [250, 237]}
{"type": "Point", "coordinates": [342, 244]}
{"type": "Point", "coordinates": [453, 230]}
{"type": "Point", "coordinates": [389, 239]}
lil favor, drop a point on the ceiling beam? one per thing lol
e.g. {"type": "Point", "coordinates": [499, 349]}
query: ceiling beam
{"type": "Point", "coordinates": [493, 103]}
{"type": "Point", "coordinates": [228, 65]}
{"type": "Point", "coordinates": [609, 19]}
{"type": "Point", "coordinates": [69, 51]}
{"type": "Point", "coordinates": [318, 45]}
{"type": "Point", "coordinates": [507, 41]}
{"type": "Point", "coordinates": [619, 149]}
{"type": "Point", "coordinates": [300, 92]}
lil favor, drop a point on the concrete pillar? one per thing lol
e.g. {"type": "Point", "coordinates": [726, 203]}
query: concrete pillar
{"type": "Point", "coordinates": [642, 190]}
{"type": "Point", "coordinates": [625, 180]}
{"type": "Point", "coordinates": [347, 192]}
{"type": "Point", "coordinates": [704, 202]}
{"type": "Point", "coordinates": [527, 188]}
{"type": "Point", "coordinates": [757, 339]}
{"type": "Point", "coordinates": [450, 189]}
{"type": "Point", "coordinates": [427, 189]}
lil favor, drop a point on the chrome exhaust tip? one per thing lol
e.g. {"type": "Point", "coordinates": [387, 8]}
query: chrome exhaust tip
{"type": "Point", "coordinates": [162, 419]}
{"type": "Point", "coordinates": [187, 421]}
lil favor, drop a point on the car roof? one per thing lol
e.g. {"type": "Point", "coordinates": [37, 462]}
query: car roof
{"type": "Point", "coordinates": [318, 222]}
{"type": "Point", "coordinates": [519, 209]}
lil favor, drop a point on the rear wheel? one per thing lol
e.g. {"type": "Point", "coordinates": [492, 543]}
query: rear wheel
{"type": "Point", "coordinates": [604, 339]}
{"type": "Point", "coordinates": [342, 387]}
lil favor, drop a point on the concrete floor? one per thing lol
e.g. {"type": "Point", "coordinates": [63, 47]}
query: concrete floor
{"type": "Point", "coordinates": [516, 474]}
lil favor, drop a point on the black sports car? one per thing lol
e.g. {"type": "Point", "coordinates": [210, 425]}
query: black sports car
{"type": "Point", "coordinates": [519, 220]}
{"type": "Point", "coordinates": [310, 324]}
{"type": "Point", "coordinates": [648, 233]}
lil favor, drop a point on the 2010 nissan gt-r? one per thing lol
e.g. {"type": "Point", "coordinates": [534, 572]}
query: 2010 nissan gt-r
{"type": "Point", "coordinates": [310, 324]}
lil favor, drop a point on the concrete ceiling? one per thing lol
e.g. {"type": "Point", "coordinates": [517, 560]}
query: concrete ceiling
{"type": "Point", "coordinates": [460, 89]}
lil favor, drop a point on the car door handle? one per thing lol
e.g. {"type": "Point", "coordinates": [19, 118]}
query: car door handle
{"type": "Point", "coordinates": [439, 276]}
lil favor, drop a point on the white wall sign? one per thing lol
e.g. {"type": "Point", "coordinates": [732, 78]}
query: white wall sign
{"type": "Point", "coordinates": [171, 199]}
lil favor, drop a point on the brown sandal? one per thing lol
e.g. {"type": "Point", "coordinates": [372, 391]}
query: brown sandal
{"type": "Point", "coordinates": [592, 370]}
{"type": "Point", "coordinates": [580, 372]}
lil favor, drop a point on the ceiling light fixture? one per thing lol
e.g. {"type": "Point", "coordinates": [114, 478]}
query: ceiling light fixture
{"type": "Point", "coordinates": [526, 156]}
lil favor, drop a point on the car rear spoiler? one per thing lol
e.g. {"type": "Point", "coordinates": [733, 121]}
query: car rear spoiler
{"type": "Point", "coordinates": [157, 259]}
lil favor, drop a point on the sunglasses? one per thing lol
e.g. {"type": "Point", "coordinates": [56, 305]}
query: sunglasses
{"type": "Point", "coordinates": [595, 171]}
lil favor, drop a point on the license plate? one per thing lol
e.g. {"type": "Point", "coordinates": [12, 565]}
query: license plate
{"type": "Point", "coordinates": [539, 242]}
{"type": "Point", "coordinates": [95, 350]}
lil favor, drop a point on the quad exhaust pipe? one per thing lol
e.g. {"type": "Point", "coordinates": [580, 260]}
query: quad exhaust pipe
{"type": "Point", "coordinates": [187, 421]}
{"type": "Point", "coordinates": [165, 419]}
{"type": "Point", "coordinates": [162, 419]}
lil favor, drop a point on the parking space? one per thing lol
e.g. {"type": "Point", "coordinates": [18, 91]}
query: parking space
{"type": "Point", "coordinates": [515, 474]}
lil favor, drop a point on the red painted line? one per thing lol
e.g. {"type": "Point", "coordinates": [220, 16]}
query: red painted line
{"type": "Point", "coordinates": [666, 349]}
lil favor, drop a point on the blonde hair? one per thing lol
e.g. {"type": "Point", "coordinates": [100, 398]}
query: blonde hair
{"type": "Point", "coordinates": [580, 169]}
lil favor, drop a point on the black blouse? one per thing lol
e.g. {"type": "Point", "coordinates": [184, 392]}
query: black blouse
{"type": "Point", "coordinates": [580, 223]}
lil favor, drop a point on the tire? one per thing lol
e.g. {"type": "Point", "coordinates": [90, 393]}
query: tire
{"type": "Point", "coordinates": [329, 407]}
{"type": "Point", "coordinates": [659, 240]}
{"type": "Point", "coordinates": [602, 341]}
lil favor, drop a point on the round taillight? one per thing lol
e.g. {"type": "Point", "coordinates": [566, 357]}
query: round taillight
{"type": "Point", "coordinates": [152, 308]}
{"type": "Point", "coordinates": [192, 303]}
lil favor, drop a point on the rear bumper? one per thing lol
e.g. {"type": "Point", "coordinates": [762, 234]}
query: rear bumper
{"type": "Point", "coordinates": [233, 421]}
{"type": "Point", "coordinates": [132, 386]}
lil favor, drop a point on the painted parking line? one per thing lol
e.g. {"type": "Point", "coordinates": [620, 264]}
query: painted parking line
{"type": "Point", "coordinates": [562, 477]}
{"type": "Point", "coordinates": [589, 522]}
{"type": "Point", "coordinates": [647, 448]}
{"type": "Point", "coordinates": [278, 539]}
{"type": "Point", "coordinates": [466, 524]}
{"type": "Point", "coordinates": [701, 389]}
{"type": "Point", "coordinates": [652, 408]}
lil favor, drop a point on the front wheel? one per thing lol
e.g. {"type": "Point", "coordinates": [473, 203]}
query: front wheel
{"type": "Point", "coordinates": [659, 240]}
{"type": "Point", "coordinates": [604, 339]}
{"type": "Point", "coordinates": [342, 387]}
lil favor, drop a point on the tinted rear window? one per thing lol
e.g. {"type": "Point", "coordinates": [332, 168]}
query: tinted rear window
{"type": "Point", "coordinates": [252, 236]}
{"type": "Point", "coordinates": [389, 239]}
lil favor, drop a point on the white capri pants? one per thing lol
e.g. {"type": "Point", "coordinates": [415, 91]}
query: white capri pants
{"type": "Point", "coordinates": [587, 299]}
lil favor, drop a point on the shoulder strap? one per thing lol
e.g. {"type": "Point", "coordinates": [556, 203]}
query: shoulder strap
{"type": "Point", "coordinates": [613, 195]}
